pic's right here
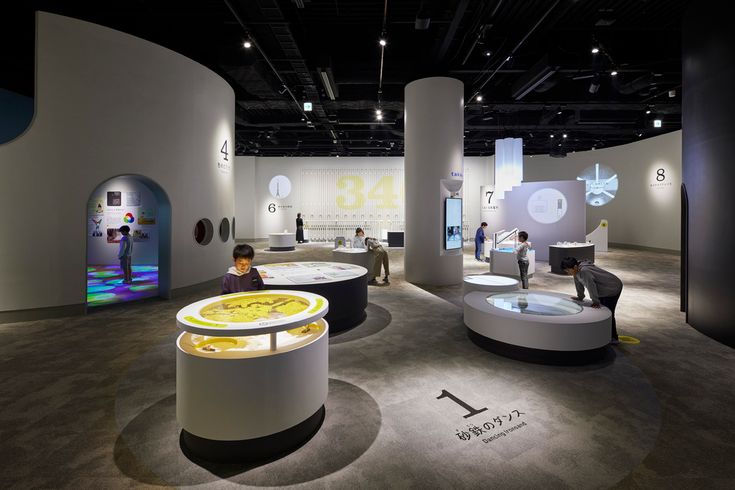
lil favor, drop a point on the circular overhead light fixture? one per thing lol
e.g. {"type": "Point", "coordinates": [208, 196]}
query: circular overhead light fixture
{"type": "Point", "coordinates": [487, 53]}
{"type": "Point", "coordinates": [378, 112]}
{"type": "Point", "coordinates": [478, 98]}
{"type": "Point", "coordinates": [551, 136]}
{"type": "Point", "coordinates": [613, 73]}
{"type": "Point", "coordinates": [247, 45]}
{"type": "Point", "coordinates": [379, 117]}
{"type": "Point", "coordinates": [595, 50]}
{"type": "Point", "coordinates": [564, 135]}
{"type": "Point", "coordinates": [648, 111]}
{"type": "Point", "coordinates": [382, 42]}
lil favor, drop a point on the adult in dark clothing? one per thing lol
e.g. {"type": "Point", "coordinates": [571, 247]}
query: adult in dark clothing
{"type": "Point", "coordinates": [242, 276]}
{"type": "Point", "coordinates": [299, 228]}
{"type": "Point", "coordinates": [604, 287]}
{"type": "Point", "coordinates": [479, 240]}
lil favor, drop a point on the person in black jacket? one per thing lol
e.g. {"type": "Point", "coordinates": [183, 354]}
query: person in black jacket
{"type": "Point", "coordinates": [299, 228]}
{"type": "Point", "coordinates": [242, 276]}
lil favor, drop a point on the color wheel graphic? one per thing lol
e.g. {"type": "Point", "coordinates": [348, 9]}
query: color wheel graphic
{"type": "Point", "coordinates": [128, 218]}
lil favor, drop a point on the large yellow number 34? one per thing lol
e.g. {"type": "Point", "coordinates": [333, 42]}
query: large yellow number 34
{"type": "Point", "coordinates": [354, 198]}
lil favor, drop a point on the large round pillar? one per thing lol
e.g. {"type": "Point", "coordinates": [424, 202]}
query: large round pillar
{"type": "Point", "coordinates": [434, 151]}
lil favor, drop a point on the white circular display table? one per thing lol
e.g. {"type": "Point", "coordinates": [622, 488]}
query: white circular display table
{"type": "Point", "coordinates": [489, 283]}
{"type": "Point", "coordinates": [541, 327]}
{"type": "Point", "coordinates": [281, 242]}
{"type": "Point", "coordinates": [251, 373]}
{"type": "Point", "coordinates": [357, 256]}
{"type": "Point", "coordinates": [580, 251]}
{"type": "Point", "coordinates": [344, 285]}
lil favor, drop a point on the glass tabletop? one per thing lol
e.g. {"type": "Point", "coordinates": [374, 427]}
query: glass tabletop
{"type": "Point", "coordinates": [491, 280]}
{"type": "Point", "coordinates": [534, 304]}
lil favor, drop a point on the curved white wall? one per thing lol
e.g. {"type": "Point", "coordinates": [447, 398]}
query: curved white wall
{"type": "Point", "coordinates": [645, 211]}
{"type": "Point", "coordinates": [109, 104]}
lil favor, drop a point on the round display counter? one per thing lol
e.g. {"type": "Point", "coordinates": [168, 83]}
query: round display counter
{"type": "Point", "coordinates": [489, 283]}
{"type": "Point", "coordinates": [356, 256]}
{"type": "Point", "coordinates": [344, 285]}
{"type": "Point", "coordinates": [542, 327]}
{"type": "Point", "coordinates": [281, 242]}
{"type": "Point", "coordinates": [580, 251]}
{"type": "Point", "coordinates": [251, 374]}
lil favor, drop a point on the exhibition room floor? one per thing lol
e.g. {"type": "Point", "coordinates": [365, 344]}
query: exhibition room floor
{"type": "Point", "coordinates": [89, 402]}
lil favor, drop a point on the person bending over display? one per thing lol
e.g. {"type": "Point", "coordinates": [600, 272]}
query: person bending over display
{"type": "Point", "coordinates": [604, 287]}
{"type": "Point", "coordinates": [522, 253]}
{"type": "Point", "coordinates": [242, 276]}
{"type": "Point", "coordinates": [381, 256]}
{"type": "Point", "coordinates": [479, 240]}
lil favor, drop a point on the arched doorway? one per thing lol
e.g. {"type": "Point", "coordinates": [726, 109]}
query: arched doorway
{"type": "Point", "coordinates": [142, 205]}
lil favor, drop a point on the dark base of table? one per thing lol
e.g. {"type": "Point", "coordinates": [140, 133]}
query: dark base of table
{"type": "Point", "coordinates": [541, 356]}
{"type": "Point", "coordinates": [281, 249]}
{"type": "Point", "coordinates": [252, 450]}
{"type": "Point", "coordinates": [347, 300]}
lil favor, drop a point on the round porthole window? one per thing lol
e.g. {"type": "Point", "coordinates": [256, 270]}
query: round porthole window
{"type": "Point", "coordinates": [224, 229]}
{"type": "Point", "coordinates": [203, 231]}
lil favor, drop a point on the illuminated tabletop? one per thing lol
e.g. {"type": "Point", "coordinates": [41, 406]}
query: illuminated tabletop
{"type": "Point", "coordinates": [251, 373]}
{"type": "Point", "coordinates": [538, 326]}
{"type": "Point", "coordinates": [489, 283]}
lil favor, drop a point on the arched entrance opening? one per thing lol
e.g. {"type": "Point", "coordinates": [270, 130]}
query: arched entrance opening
{"type": "Point", "coordinates": [142, 205]}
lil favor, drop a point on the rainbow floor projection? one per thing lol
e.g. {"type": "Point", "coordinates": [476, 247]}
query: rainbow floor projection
{"type": "Point", "coordinates": [105, 286]}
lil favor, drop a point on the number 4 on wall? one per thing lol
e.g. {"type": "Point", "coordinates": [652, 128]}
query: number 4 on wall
{"type": "Point", "coordinates": [224, 150]}
{"type": "Point", "coordinates": [472, 411]}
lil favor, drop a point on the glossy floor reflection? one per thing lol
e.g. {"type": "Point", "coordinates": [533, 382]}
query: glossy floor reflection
{"type": "Point", "coordinates": [105, 286]}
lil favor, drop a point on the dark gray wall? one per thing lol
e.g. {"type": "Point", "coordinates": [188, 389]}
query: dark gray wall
{"type": "Point", "coordinates": [708, 148]}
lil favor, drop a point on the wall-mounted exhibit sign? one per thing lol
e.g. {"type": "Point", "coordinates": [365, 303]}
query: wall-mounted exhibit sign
{"type": "Point", "coordinates": [601, 182]}
{"type": "Point", "coordinates": [488, 199]}
{"type": "Point", "coordinates": [547, 205]}
{"type": "Point", "coordinates": [132, 198]}
{"type": "Point", "coordinates": [452, 223]}
{"type": "Point", "coordinates": [660, 179]}
{"type": "Point", "coordinates": [223, 162]}
{"type": "Point", "coordinates": [279, 187]}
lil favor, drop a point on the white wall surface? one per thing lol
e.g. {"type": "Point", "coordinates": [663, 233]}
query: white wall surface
{"type": "Point", "coordinates": [253, 174]}
{"type": "Point", "coordinates": [109, 104]}
{"type": "Point", "coordinates": [645, 212]}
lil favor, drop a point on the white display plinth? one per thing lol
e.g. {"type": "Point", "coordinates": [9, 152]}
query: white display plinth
{"type": "Point", "coordinates": [281, 242]}
{"type": "Point", "coordinates": [505, 262]}
{"type": "Point", "coordinates": [489, 283]}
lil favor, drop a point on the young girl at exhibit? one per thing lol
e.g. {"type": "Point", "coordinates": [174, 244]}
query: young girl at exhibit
{"type": "Point", "coordinates": [242, 276]}
{"type": "Point", "coordinates": [125, 254]}
{"type": "Point", "coordinates": [604, 287]}
{"type": "Point", "coordinates": [522, 253]}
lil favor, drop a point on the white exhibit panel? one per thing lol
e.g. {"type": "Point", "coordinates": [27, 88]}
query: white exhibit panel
{"type": "Point", "coordinates": [504, 262]}
{"type": "Point", "coordinates": [489, 283]}
{"type": "Point", "coordinates": [550, 212]}
{"type": "Point", "coordinates": [635, 187]}
{"type": "Point", "coordinates": [576, 250]}
{"type": "Point", "coordinates": [434, 124]}
{"type": "Point", "coordinates": [281, 242]}
{"type": "Point", "coordinates": [598, 236]}
{"type": "Point", "coordinates": [251, 373]}
{"type": "Point", "coordinates": [344, 285]}
{"type": "Point", "coordinates": [92, 123]}
{"type": "Point", "coordinates": [538, 326]}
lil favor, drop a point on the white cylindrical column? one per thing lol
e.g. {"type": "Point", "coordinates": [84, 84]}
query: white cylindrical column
{"type": "Point", "coordinates": [434, 151]}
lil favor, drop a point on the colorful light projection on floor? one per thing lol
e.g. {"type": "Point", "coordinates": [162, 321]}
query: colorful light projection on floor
{"type": "Point", "coordinates": [105, 286]}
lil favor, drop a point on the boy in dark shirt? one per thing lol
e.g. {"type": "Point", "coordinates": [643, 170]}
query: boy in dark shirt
{"type": "Point", "coordinates": [242, 277]}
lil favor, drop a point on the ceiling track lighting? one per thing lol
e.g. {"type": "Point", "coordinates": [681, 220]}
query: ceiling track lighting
{"type": "Point", "coordinates": [247, 44]}
{"type": "Point", "coordinates": [595, 50]}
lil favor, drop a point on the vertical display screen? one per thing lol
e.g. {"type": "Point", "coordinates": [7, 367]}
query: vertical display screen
{"type": "Point", "coordinates": [452, 223]}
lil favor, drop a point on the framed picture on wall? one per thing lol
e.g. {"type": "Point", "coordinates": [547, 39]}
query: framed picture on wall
{"type": "Point", "coordinates": [114, 198]}
{"type": "Point", "coordinates": [132, 198]}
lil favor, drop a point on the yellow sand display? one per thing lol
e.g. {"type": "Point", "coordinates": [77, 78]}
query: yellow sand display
{"type": "Point", "coordinates": [250, 346]}
{"type": "Point", "coordinates": [247, 309]}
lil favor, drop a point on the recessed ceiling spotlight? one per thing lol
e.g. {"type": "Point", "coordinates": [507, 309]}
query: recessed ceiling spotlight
{"type": "Point", "coordinates": [379, 117]}
{"type": "Point", "coordinates": [595, 50]}
{"type": "Point", "coordinates": [564, 135]}
{"type": "Point", "coordinates": [247, 45]}
{"type": "Point", "coordinates": [558, 112]}
{"type": "Point", "coordinates": [640, 134]}
{"type": "Point", "coordinates": [487, 53]}
{"type": "Point", "coordinates": [382, 42]}
{"type": "Point", "coordinates": [551, 136]}
{"type": "Point", "coordinates": [378, 112]}
{"type": "Point", "coordinates": [613, 73]}
{"type": "Point", "coordinates": [648, 111]}
{"type": "Point", "coordinates": [478, 98]}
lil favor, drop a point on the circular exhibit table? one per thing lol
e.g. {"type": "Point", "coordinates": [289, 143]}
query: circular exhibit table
{"type": "Point", "coordinates": [543, 327]}
{"type": "Point", "coordinates": [580, 251]}
{"type": "Point", "coordinates": [357, 256]}
{"type": "Point", "coordinates": [344, 285]}
{"type": "Point", "coordinates": [281, 242]}
{"type": "Point", "coordinates": [251, 374]}
{"type": "Point", "coordinates": [489, 283]}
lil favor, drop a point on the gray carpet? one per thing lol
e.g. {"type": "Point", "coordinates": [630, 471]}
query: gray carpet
{"type": "Point", "coordinates": [89, 402]}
